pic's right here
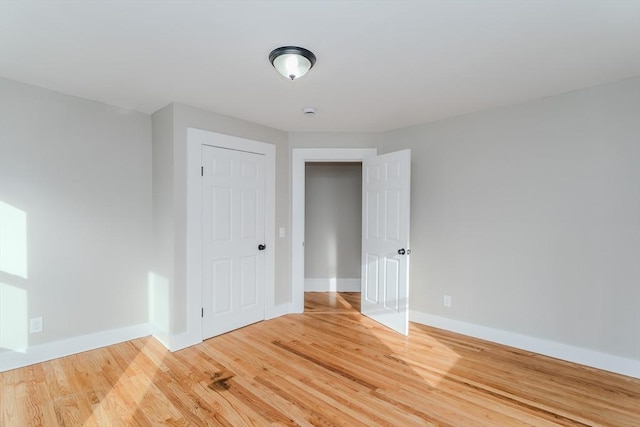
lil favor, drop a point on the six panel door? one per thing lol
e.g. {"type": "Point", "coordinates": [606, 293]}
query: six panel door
{"type": "Point", "coordinates": [386, 182]}
{"type": "Point", "coordinates": [233, 264]}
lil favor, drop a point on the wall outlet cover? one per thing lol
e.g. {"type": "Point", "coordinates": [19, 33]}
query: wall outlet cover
{"type": "Point", "coordinates": [35, 325]}
{"type": "Point", "coordinates": [446, 301]}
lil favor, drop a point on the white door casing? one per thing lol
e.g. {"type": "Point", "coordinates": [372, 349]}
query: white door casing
{"type": "Point", "coordinates": [192, 333]}
{"type": "Point", "coordinates": [233, 266]}
{"type": "Point", "coordinates": [386, 182]}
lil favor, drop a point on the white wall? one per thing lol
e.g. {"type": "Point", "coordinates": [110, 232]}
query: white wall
{"type": "Point", "coordinates": [529, 217]}
{"type": "Point", "coordinates": [77, 175]}
{"type": "Point", "coordinates": [333, 222]}
{"type": "Point", "coordinates": [332, 140]}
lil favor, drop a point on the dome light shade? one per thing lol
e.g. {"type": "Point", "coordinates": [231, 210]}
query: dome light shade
{"type": "Point", "coordinates": [291, 61]}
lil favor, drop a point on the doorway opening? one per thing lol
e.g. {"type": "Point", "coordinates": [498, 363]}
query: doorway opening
{"type": "Point", "coordinates": [386, 195]}
{"type": "Point", "coordinates": [300, 158]}
{"type": "Point", "coordinates": [333, 235]}
{"type": "Point", "coordinates": [332, 303]}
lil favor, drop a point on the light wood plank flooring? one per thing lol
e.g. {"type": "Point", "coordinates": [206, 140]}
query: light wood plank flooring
{"type": "Point", "coordinates": [329, 366]}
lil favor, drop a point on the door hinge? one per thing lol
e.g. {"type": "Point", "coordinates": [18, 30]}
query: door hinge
{"type": "Point", "coordinates": [202, 312]}
{"type": "Point", "coordinates": [201, 170]}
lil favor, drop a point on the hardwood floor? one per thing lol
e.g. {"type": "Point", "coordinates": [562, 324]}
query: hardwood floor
{"type": "Point", "coordinates": [329, 366]}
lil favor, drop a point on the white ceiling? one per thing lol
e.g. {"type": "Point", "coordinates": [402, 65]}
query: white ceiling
{"type": "Point", "coordinates": [381, 64]}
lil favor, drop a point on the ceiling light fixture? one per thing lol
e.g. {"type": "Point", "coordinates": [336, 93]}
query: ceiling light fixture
{"type": "Point", "coordinates": [291, 61]}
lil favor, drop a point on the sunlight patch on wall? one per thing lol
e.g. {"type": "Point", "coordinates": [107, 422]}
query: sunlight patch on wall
{"type": "Point", "coordinates": [332, 253]}
{"type": "Point", "coordinates": [13, 240]}
{"type": "Point", "coordinates": [13, 318]}
{"type": "Point", "coordinates": [159, 302]}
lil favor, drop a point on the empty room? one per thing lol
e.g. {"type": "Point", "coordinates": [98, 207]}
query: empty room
{"type": "Point", "coordinates": [319, 213]}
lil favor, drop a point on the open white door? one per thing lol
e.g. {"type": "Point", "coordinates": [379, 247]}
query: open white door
{"type": "Point", "coordinates": [386, 184]}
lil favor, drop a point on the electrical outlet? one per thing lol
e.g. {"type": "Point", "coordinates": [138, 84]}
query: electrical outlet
{"type": "Point", "coordinates": [446, 301]}
{"type": "Point", "coordinates": [282, 232]}
{"type": "Point", "coordinates": [36, 325]}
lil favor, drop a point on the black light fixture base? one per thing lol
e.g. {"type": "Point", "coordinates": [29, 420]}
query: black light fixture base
{"type": "Point", "coordinates": [295, 50]}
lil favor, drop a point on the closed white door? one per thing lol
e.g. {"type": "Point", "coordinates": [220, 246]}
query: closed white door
{"type": "Point", "coordinates": [233, 228]}
{"type": "Point", "coordinates": [386, 185]}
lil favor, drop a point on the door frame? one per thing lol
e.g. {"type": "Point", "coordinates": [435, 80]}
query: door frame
{"type": "Point", "coordinates": [195, 139]}
{"type": "Point", "coordinates": [299, 157]}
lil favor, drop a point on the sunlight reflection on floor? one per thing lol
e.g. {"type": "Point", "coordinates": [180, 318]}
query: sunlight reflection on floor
{"type": "Point", "coordinates": [408, 350]}
{"type": "Point", "coordinates": [404, 349]}
{"type": "Point", "coordinates": [136, 384]}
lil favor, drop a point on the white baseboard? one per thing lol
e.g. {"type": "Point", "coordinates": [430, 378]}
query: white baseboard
{"type": "Point", "coordinates": [277, 311]}
{"type": "Point", "coordinates": [183, 340]}
{"type": "Point", "coordinates": [53, 350]}
{"type": "Point", "coordinates": [163, 337]}
{"type": "Point", "coordinates": [332, 285]}
{"type": "Point", "coordinates": [582, 356]}
{"type": "Point", "coordinates": [175, 342]}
